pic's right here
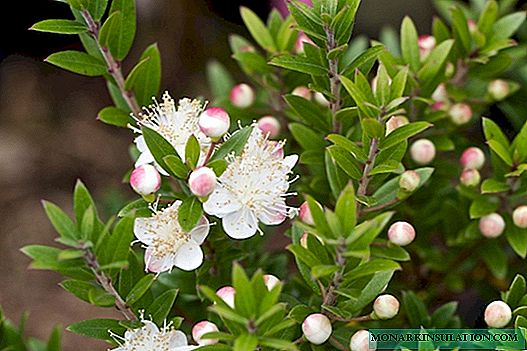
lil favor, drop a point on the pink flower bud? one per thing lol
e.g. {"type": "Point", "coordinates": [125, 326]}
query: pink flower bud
{"type": "Point", "coordinates": [439, 106]}
{"type": "Point", "coordinates": [305, 214]}
{"type": "Point", "coordinates": [278, 150]}
{"type": "Point", "coordinates": [145, 180]}
{"type": "Point", "coordinates": [270, 281]}
{"type": "Point", "coordinates": [492, 225]}
{"type": "Point", "coordinates": [498, 314]}
{"type": "Point", "coordinates": [470, 177]}
{"type": "Point", "coordinates": [227, 295]}
{"type": "Point", "coordinates": [300, 41]}
{"type": "Point", "coordinates": [440, 94]}
{"type": "Point", "coordinates": [321, 99]}
{"type": "Point", "coordinates": [242, 96]}
{"type": "Point", "coordinates": [426, 43]}
{"type": "Point", "coordinates": [460, 113]}
{"type": "Point", "coordinates": [317, 328]}
{"type": "Point", "coordinates": [214, 122]}
{"type": "Point", "coordinates": [401, 233]}
{"type": "Point", "coordinates": [374, 84]}
{"type": "Point", "coordinates": [395, 122]}
{"type": "Point", "coordinates": [519, 216]}
{"type": "Point", "coordinates": [498, 89]}
{"type": "Point", "coordinates": [269, 125]}
{"type": "Point", "coordinates": [409, 181]}
{"type": "Point", "coordinates": [472, 26]}
{"type": "Point", "coordinates": [303, 240]}
{"type": "Point", "coordinates": [202, 328]}
{"type": "Point", "coordinates": [202, 181]}
{"type": "Point", "coordinates": [360, 341]}
{"type": "Point", "coordinates": [423, 151]}
{"type": "Point", "coordinates": [303, 92]}
{"type": "Point", "coordinates": [472, 158]}
{"type": "Point", "coordinates": [386, 306]}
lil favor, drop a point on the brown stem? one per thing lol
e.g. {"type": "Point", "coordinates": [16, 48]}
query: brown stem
{"type": "Point", "coordinates": [380, 207]}
{"type": "Point", "coordinates": [461, 73]}
{"type": "Point", "coordinates": [370, 162]}
{"type": "Point", "coordinates": [114, 67]}
{"type": "Point", "coordinates": [338, 345]}
{"type": "Point", "coordinates": [106, 284]}
{"type": "Point", "coordinates": [334, 80]}
{"type": "Point", "coordinates": [209, 153]}
{"type": "Point", "coordinates": [329, 295]}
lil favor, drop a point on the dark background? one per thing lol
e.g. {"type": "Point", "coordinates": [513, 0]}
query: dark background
{"type": "Point", "coordinates": [49, 136]}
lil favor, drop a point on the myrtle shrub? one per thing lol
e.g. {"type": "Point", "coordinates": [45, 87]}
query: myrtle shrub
{"type": "Point", "coordinates": [396, 191]}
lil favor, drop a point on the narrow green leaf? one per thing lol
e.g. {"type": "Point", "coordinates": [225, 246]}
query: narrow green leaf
{"type": "Point", "coordinates": [78, 62]}
{"type": "Point", "coordinates": [508, 25]}
{"type": "Point", "coordinates": [192, 151]}
{"type": "Point", "coordinates": [246, 342]}
{"type": "Point", "coordinates": [160, 308]}
{"type": "Point", "coordinates": [60, 26]}
{"type": "Point", "coordinates": [145, 78]}
{"type": "Point", "coordinates": [60, 221]}
{"type": "Point", "coordinates": [97, 328]}
{"type": "Point", "coordinates": [403, 133]}
{"type": "Point", "coordinates": [158, 146]}
{"type": "Point", "coordinates": [219, 78]}
{"type": "Point", "coordinates": [301, 64]}
{"type": "Point", "coordinates": [189, 213]}
{"type": "Point", "coordinates": [122, 37]}
{"type": "Point", "coordinates": [501, 151]}
{"type": "Point", "coordinates": [258, 30]}
{"type": "Point", "coordinates": [140, 288]}
{"type": "Point", "coordinates": [234, 144]}
{"type": "Point", "coordinates": [176, 167]}
{"type": "Point", "coordinates": [488, 17]}
{"type": "Point", "coordinates": [366, 58]}
{"type": "Point", "coordinates": [114, 116]}
{"type": "Point", "coordinates": [409, 47]}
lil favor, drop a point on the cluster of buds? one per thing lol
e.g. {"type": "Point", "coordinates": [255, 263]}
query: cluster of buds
{"type": "Point", "coordinates": [401, 233]}
{"type": "Point", "coordinates": [423, 151]}
{"type": "Point", "coordinates": [472, 160]}
{"type": "Point", "coordinates": [498, 314]}
{"type": "Point", "coordinates": [491, 225]}
{"type": "Point", "coordinates": [317, 328]}
{"type": "Point", "coordinates": [459, 113]}
{"type": "Point", "coordinates": [242, 96]}
{"type": "Point", "coordinates": [385, 306]}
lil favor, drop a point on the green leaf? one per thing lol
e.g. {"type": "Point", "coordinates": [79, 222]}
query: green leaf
{"type": "Point", "coordinates": [501, 151]}
{"type": "Point", "coordinates": [349, 145]}
{"type": "Point", "coordinates": [372, 267]}
{"type": "Point", "coordinates": [97, 8]}
{"type": "Point", "coordinates": [309, 112]}
{"type": "Point", "coordinates": [442, 316]}
{"type": "Point", "coordinates": [145, 78]}
{"type": "Point", "coordinates": [258, 30]}
{"type": "Point", "coordinates": [234, 144]}
{"type": "Point", "coordinates": [409, 47]}
{"type": "Point", "coordinates": [415, 310]}
{"type": "Point", "coordinates": [301, 64]}
{"type": "Point", "coordinates": [60, 221]}
{"type": "Point", "coordinates": [495, 258]}
{"type": "Point", "coordinates": [252, 62]}
{"type": "Point", "coordinates": [372, 127]}
{"type": "Point", "coordinates": [121, 35]}
{"type": "Point", "coordinates": [343, 159]}
{"type": "Point", "coordinates": [306, 137]}
{"type": "Point", "coordinates": [78, 288]}
{"type": "Point", "coordinates": [366, 58]}
{"type": "Point", "coordinates": [54, 340]}
{"type": "Point", "coordinates": [114, 116]}
{"type": "Point", "coordinates": [460, 29]}
{"type": "Point", "coordinates": [97, 328]}
{"type": "Point", "coordinates": [219, 78]}
{"type": "Point", "coordinates": [508, 25]}
{"type": "Point", "coordinates": [244, 299]}
{"type": "Point", "coordinates": [323, 270]}
{"type": "Point", "coordinates": [335, 175]}
{"type": "Point", "coordinates": [158, 146]}
{"type": "Point", "coordinates": [304, 255]}
{"type": "Point", "coordinates": [490, 186]}
{"type": "Point", "coordinates": [78, 62]}
{"type": "Point", "coordinates": [60, 26]}
{"type": "Point", "coordinates": [360, 96]}
{"type": "Point", "coordinates": [517, 238]}
{"type": "Point", "coordinates": [100, 298]}
{"type": "Point", "coordinates": [160, 308]}
{"type": "Point", "coordinates": [115, 247]}
{"type": "Point", "coordinates": [403, 133]}
{"type": "Point", "coordinates": [139, 289]}
{"type": "Point", "coordinates": [493, 132]}
{"type": "Point", "coordinates": [192, 151]}
{"type": "Point", "coordinates": [278, 344]}
{"type": "Point", "coordinates": [346, 209]}
{"type": "Point", "coordinates": [488, 17]}
{"type": "Point", "coordinates": [435, 62]}
{"type": "Point", "coordinates": [246, 342]}
{"type": "Point", "coordinates": [189, 213]}
{"type": "Point", "coordinates": [176, 167]}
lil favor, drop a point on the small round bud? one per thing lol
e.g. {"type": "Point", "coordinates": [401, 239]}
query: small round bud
{"type": "Point", "coordinates": [470, 177]}
{"type": "Point", "coordinates": [270, 281]}
{"type": "Point", "coordinates": [423, 151]}
{"type": "Point", "coordinates": [492, 225]}
{"type": "Point", "coordinates": [360, 341]}
{"type": "Point", "coordinates": [498, 314]}
{"type": "Point", "coordinates": [303, 240]}
{"type": "Point", "coordinates": [145, 180]}
{"type": "Point", "coordinates": [439, 106]}
{"type": "Point", "coordinates": [303, 92]}
{"type": "Point", "coordinates": [426, 43]}
{"type": "Point", "coordinates": [395, 122]}
{"type": "Point", "coordinates": [386, 306]}
{"type": "Point", "coordinates": [269, 125]}
{"type": "Point", "coordinates": [202, 328]}
{"type": "Point", "coordinates": [202, 181]}
{"type": "Point", "coordinates": [214, 122]}
{"type": "Point", "coordinates": [317, 328]}
{"type": "Point", "coordinates": [227, 295]}
{"type": "Point", "coordinates": [460, 113]}
{"type": "Point", "coordinates": [472, 158]}
{"type": "Point", "coordinates": [472, 26]}
{"type": "Point", "coordinates": [305, 214]}
{"type": "Point", "coordinates": [321, 99]}
{"type": "Point", "coordinates": [409, 181]}
{"type": "Point", "coordinates": [242, 95]}
{"type": "Point", "coordinates": [440, 94]}
{"type": "Point", "coordinates": [401, 233]}
{"type": "Point", "coordinates": [498, 89]}
{"type": "Point", "coordinates": [519, 216]}
{"type": "Point", "coordinates": [300, 41]}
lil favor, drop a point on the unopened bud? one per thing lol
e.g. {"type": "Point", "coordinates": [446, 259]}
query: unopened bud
{"type": "Point", "coordinates": [498, 314]}
{"type": "Point", "coordinates": [242, 96]}
{"type": "Point", "coordinates": [472, 26]}
{"type": "Point", "coordinates": [440, 94]}
{"type": "Point", "coordinates": [303, 240]}
{"type": "Point", "coordinates": [269, 125]}
{"type": "Point", "coordinates": [423, 151]}
{"type": "Point", "coordinates": [302, 91]}
{"type": "Point", "coordinates": [305, 214]}
{"type": "Point", "coordinates": [401, 233]}
{"type": "Point", "coordinates": [202, 181]}
{"type": "Point", "coordinates": [470, 177]}
{"type": "Point", "coordinates": [386, 306]}
{"type": "Point", "coordinates": [270, 281]}
{"type": "Point", "coordinates": [426, 43]}
{"type": "Point", "coordinates": [214, 122]}
{"type": "Point", "coordinates": [472, 158]}
{"type": "Point", "coordinates": [227, 295]}
{"type": "Point", "coordinates": [439, 106]}
{"type": "Point", "coordinates": [395, 122]}
{"type": "Point", "coordinates": [202, 328]}
{"type": "Point", "coordinates": [145, 180]}
{"type": "Point", "coordinates": [317, 328]}
{"type": "Point", "coordinates": [492, 225]}
{"type": "Point", "coordinates": [409, 181]}
{"type": "Point", "coordinates": [300, 41]}
{"type": "Point", "coordinates": [519, 216]}
{"type": "Point", "coordinates": [498, 89]}
{"type": "Point", "coordinates": [321, 99]}
{"type": "Point", "coordinates": [460, 113]}
{"type": "Point", "coordinates": [360, 341]}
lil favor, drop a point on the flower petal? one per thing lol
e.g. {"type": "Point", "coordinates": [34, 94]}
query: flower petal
{"type": "Point", "coordinates": [241, 224]}
{"type": "Point", "coordinates": [272, 217]}
{"type": "Point", "coordinates": [157, 264]}
{"type": "Point", "coordinates": [142, 231]}
{"type": "Point", "coordinates": [290, 161]}
{"type": "Point", "coordinates": [200, 231]}
{"type": "Point", "coordinates": [177, 338]}
{"type": "Point", "coordinates": [189, 257]}
{"type": "Point", "coordinates": [221, 202]}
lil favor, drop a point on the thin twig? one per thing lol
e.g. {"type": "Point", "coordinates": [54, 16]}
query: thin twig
{"type": "Point", "coordinates": [114, 67]}
{"type": "Point", "coordinates": [338, 345]}
{"type": "Point", "coordinates": [334, 80]}
{"type": "Point", "coordinates": [380, 207]}
{"type": "Point", "coordinates": [370, 162]}
{"type": "Point", "coordinates": [329, 295]}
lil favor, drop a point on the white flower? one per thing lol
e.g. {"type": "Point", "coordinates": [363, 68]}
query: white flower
{"type": "Point", "coordinates": [149, 337]}
{"type": "Point", "coordinates": [253, 188]}
{"type": "Point", "coordinates": [176, 125]}
{"type": "Point", "coordinates": [167, 245]}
